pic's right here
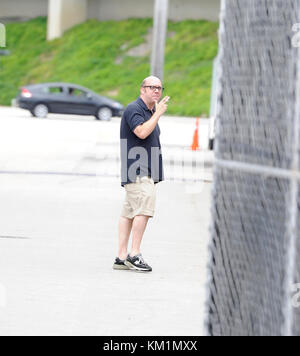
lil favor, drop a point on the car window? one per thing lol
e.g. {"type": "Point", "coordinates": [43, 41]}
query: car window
{"type": "Point", "coordinates": [77, 92]}
{"type": "Point", "coordinates": [53, 90]}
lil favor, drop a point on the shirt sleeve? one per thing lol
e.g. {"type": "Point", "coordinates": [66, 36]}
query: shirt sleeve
{"type": "Point", "coordinates": [135, 120]}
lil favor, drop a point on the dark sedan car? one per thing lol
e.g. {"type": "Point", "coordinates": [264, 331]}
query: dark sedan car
{"type": "Point", "coordinates": [63, 98]}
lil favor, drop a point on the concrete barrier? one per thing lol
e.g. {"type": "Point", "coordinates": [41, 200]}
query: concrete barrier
{"type": "Point", "coordinates": [2, 35]}
{"type": "Point", "coordinates": [3, 296]}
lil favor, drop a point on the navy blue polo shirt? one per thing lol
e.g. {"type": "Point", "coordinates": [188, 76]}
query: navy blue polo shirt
{"type": "Point", "coordinates": [139, 157]}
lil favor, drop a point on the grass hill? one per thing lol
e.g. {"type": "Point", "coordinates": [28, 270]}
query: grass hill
{"type": "Point", "coordinates": [112, 58]}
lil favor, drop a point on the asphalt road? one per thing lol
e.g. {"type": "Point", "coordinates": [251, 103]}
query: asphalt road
{"type": "Point", "coordinates": [58, 234]}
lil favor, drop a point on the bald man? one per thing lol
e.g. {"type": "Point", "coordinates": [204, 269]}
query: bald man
{"type": "Point", "coordinates": [141, 170]}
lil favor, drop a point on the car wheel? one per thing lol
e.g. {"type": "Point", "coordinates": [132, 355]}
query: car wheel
{"type": "Point", "coordinates": [40, 111]}
{"type": "Point", "coordinates": [104, 114]}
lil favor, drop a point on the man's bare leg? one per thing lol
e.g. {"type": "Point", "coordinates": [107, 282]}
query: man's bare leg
{"type": "Point", "coordinates": [138, 229]}
{"type": "Point", "coordinates": [125, 226]}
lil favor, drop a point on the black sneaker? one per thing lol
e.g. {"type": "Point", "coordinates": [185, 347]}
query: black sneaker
{"type": "Point", "coordinates": [119, 264]}
{"type": "Point", "coordinates": [137, 263]}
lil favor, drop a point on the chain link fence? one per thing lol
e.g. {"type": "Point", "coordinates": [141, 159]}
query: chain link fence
{"type": "Point", "coordinates": [256, 201]}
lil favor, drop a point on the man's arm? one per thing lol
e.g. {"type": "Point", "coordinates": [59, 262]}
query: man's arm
{"type": "Point", "coordinates": [144, 130]}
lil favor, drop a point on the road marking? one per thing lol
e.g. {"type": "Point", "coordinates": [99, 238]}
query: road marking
{"type": "Point", "coordinates": [14, 237]}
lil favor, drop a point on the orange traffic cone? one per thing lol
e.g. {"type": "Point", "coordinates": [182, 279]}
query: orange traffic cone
{"type": "Point", "coordinates": [195, 145]}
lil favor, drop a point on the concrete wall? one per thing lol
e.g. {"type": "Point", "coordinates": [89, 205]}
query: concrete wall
{"type": "Point", "coordinates": [119, 9]}
{"type": "Point", "coordinates": [178, 9]}
{"type": "Point", "coordinates": [194, 9]}
{"type": "Point", "coordinates": [64, 14]}
{"type": "Point", "coordinates": [23, 8]}
{"type": "Point", "coordinates": [74, 12]}
{"type": "Point", "coordinates": [116, 9]}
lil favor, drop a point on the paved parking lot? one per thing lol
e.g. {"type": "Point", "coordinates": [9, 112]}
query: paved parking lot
{"type": "Point", "coordinates": [58, 235]}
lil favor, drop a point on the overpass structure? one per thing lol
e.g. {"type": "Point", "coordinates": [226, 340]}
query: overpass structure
{"type": "Point", "coordinates": [64, 14]}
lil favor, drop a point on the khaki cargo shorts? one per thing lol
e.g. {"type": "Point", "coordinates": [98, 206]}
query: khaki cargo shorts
{"type": "Point", "coordinates": [140, 198]}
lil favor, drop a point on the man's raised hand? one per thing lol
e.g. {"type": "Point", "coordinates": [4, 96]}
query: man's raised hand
{"type": "Point", "coordinates": [162, 106]}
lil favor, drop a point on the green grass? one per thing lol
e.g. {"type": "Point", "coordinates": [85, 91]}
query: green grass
{"type": "Point", "coordinates": [87, 53]}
